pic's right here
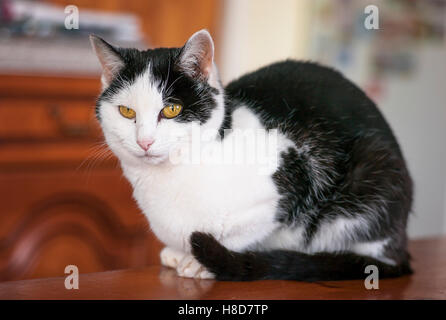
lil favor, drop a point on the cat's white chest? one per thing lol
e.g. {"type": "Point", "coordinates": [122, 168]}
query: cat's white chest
{"type": "Point", "coordinates": [226, 201]}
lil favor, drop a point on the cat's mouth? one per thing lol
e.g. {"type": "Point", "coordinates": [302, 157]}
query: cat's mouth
{"type": "Point", "coordinates": [150, 157]}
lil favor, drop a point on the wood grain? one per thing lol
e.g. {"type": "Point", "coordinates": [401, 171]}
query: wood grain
{"type": "Point", "coordinates": [83, 217]}
{"type": "Point", "coordinates": [155, 282]}
{"type": "Point", "coordinates": [43, 86]}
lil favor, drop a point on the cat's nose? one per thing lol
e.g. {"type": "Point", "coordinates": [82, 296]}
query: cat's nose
{"type": "Point", "coordinates": [145, 143]}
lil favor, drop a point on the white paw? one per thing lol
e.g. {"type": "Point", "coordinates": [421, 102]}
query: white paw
{"type": "Point", "coordinates": [171, 257]}
{"type": "Point", "coordinates": [189, 267]}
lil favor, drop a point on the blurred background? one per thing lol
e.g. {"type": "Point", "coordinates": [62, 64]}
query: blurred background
{"type": "Point", "coordinates": [62, 196]}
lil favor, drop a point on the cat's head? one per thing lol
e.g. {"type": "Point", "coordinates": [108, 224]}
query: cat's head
{"type": "Point", "coordinates": [150, 98]}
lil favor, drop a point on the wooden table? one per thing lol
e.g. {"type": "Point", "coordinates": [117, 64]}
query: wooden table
{"type": "Point", "coordinates": [155, 282]}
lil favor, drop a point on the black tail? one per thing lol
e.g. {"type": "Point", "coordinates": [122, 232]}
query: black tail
{"type": "Point", "coordinates": [286, 265]}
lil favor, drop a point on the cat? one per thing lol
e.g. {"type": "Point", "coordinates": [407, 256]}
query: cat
{"type": "Point", "coordinates": [336, 201]}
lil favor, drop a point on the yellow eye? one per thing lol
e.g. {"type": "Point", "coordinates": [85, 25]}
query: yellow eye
{"type": "Point", "coordinates": [127, 112]}
{"type": "Point", "coordinates": [172, 110]}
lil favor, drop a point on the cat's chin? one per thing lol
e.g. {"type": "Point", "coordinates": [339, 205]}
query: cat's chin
{"type": "Point", "coordinates": [152, 159]}
{"type": "Point", "coordinates": [136, 159]}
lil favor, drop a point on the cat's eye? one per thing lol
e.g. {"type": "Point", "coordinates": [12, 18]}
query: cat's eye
{"type": "Point", "coordinates": [127, 112]}
{"type": "Point", "coordinates": [171, 110]}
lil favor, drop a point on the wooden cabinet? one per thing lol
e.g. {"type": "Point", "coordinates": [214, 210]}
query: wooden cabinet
{"type": "Point", "coordinates": [60, 202]}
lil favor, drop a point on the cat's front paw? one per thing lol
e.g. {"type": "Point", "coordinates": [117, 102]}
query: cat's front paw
{"type": "Point", "coordinates": [171, 257]}
{"type": "Point", "coordinates": [189, 267]}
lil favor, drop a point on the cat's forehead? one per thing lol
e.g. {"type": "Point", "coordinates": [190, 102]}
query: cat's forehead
{"type": "Point", "coordinates": [158, 62]}
{"type": "Point", "coordinates": [144, 92]}
{"type": "Point", "coordinates": [147, 69]}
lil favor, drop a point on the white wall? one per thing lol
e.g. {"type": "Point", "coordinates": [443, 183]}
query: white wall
{"type": "Point", "coordinates": [416, 110]}
{"type": "Point", "coordinates": [257, 32]}
{"type": "Point", "coordinates": [444, 206]}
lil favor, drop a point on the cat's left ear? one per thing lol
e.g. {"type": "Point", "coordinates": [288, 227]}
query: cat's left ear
{"type": "Point", "coordinates": [197, 57]}
{"type": "Point", "coordinates": [109, 57]}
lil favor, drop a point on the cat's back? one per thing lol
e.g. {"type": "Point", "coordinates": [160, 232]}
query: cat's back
{"type": "Point", "coordinates": [302, 82]}
{"type": "Point", "coordinates": [305, 92]}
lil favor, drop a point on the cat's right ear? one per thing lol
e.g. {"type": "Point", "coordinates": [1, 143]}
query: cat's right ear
{"type": "Point", "coordinates": [110, 59]}
{"type": "Point", "coordinates": [197, 57]}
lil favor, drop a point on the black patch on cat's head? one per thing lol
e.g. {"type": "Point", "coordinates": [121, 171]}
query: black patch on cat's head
{"type": "Point", "coordinates": [194, 94]}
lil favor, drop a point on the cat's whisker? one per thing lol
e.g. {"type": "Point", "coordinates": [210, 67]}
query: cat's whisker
{"type": "Point", "coordinates": [204, 100]}
{"type": "Point", "coordinates": [96, 147]}
{"type": "Point", "coordinates": [96, 156]}
{"type": "Point", "coordinates": [171, 85]}
{"type": "Point", "coordinates": [167, 78]}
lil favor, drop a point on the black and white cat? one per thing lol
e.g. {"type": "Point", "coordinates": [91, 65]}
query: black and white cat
{"type": "Point", "coordinates": [336, 200]}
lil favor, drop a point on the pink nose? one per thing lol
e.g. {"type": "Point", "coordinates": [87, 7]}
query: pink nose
{"type": "Point", "coordinates": [145, 143]}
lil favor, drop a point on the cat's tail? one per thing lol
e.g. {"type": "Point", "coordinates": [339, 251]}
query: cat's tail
{"type": "Point", "coordinates": [286, 265]}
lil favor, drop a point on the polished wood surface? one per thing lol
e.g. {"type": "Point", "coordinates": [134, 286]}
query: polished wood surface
{"type": "Point", "coordinates": [155, 282]}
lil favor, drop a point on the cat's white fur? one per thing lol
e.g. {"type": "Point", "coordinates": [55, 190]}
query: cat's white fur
{"type": "Point", "coordinates": [333, 236]}
{"type": "Point", "coordinates": [235, 203]}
